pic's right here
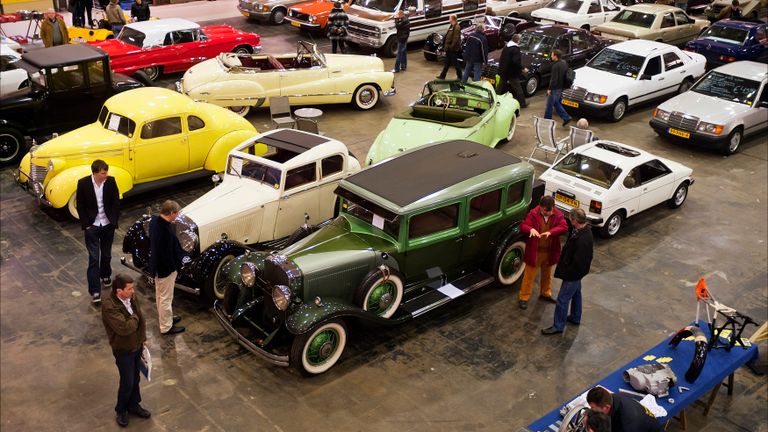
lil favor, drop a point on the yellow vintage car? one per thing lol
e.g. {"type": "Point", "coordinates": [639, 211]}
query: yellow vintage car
{"type": "Point", "coordinates": [86, 34]}
{"type": "Point", "coordinates": [148, 136]}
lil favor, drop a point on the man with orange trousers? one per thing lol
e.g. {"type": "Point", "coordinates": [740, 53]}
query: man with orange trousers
{"type": "Point", "coordinates": [543, 225]}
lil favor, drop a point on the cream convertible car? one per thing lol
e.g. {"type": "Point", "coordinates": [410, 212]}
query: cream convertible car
{"type": "Point", "coordinates": [242, 81]}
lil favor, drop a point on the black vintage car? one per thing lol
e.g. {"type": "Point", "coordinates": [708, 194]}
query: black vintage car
{"type": "Point", "coordinates": [496, 29]}
{"type": "Point", "coordinates": [68, 86]}
{"type": "Point", "coordinates": [536, 45]}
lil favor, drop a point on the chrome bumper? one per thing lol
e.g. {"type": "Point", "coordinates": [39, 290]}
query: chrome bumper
{"type": "Point", "coordinates": [302, 24]}
{"type": "Point", "coordinates": [30, 190]}
{"type": "Point", "coordinates": [390, 92]}
{"type": "Point", "coordinates": [242, 340]}
{"type": "Point", "coordinates": [259, 14]}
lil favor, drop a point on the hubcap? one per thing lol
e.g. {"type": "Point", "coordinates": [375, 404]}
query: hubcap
{"type": "Point", "coordinates": [366, 96]}
{"type": "Point", "coordinates": [152, 72]}
{"type": "Point", "coordinates": [512, 126]}
{"type": "Point", "coordinates": [322, 346]}
{"type": "Point", "coordinates": [9, 147]}
{"type": "Point", "coordinates": [618, 112]}
{"type": "Point", "coordinates": [511, 263]}
{"type": "Point", "coordinates": [237, 109]}
{"type": "Point", "coordinates": [614, 224]}
{"type": "Point", "coordinates": [381, 298]}
{"type": "Point", "coordinates": [530, 85]}
{"type": "Point", "coordinates": [680, 196]}
{"type": "Point", "coordinates": [735, 141]}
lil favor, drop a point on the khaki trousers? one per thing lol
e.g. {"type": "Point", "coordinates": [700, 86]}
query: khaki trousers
{"type": "Point", "coordinates": [164, 298]}
{"type": "Point", "coordinates": [529, 275]}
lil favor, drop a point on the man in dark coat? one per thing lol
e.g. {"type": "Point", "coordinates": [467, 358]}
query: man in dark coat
{"type": "Point", "coordinates": [127, 334]}
{"type": "Point", "coordinates": [140, 11]}
{"type": "Point", "coordinates": [164, 264]}
{"type": "Point", "coordinates": [452, 47]}
{"type": "Point", "coordinates": [575, 260]}
{"type": "Point", "coordinates": [511, 70]}
{"type": "Point", "coordinates": [403, 27]}
{"type": "Point", "coordinates": [97, 200]}
{"type": "Point", "coordinates": [475, 53]}
{"type": "Point", "coordinates": [556, 86]}
{"type": "Point", "coordinates": [337, 27]}
{"type": "Point", "coordinates": [627, 414]}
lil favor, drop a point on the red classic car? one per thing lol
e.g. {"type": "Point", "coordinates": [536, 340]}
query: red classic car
{"type": "Point", "coordinates": [148, 49]}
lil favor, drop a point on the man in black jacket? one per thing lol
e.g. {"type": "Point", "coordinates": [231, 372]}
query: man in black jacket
{"type": "Point", "coordinates": [97, 200]}
{"type": "Point", "coordinates": [627, 414]}
{"type": "Point", "coordinates": [452, 47]}
{"type": "Point", "coordinates": [403, 27]}
{"type": "Point", "coordinates": [164, 263]}
{"type": "Point", "coordinates": [511, 70]}
{"type": "Point", "coordinates": [556, 86]}
{"type": "Point", "coordinates": [574, 263]}
{"type": "Point", "coordinates": [475, 53]}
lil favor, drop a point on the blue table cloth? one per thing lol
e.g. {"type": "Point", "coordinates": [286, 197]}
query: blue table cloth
{"type": "Point", "coordinates": [720, 363]}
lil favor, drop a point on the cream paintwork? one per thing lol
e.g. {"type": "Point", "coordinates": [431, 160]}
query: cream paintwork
{"type": "Point", "coordinates": [675, 35]}
{"type": "Point", "coordinates": [514, 7]}
{"type": "Point", "coordinates": [250, 212]}
{"type": "Point", "coordinates": [582, 18]}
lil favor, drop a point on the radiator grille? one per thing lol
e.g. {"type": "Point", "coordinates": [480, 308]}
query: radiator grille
{"type": "Point", "coordinates": [575, 94]}
{"type": "Point", "coordinates": [298, 15]}
{"type": "Point", "coordinates": [362, 29]}
{"type": "Point", "coordinates": [37, 175]}
{"type": "Point", "coordinates": [682, 121]}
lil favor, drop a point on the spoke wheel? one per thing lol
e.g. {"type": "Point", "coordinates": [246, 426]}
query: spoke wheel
{"type": "Point", "coordinates": [366, 97]}
{"type": "Point", "coordinates": [318, 350]}
{"type": "Point", "coordinates": [510, 264]}
{"type": "Point", "coordinates": [380, 294]}
{"type": "Point", "coordinates": [612, 225]}
{"type": "Point", "coordinates": [215, 285]}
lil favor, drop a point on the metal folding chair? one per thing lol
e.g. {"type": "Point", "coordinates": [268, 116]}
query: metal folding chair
{"type": "Point", "coordinates": [307, 125]}
{"type": "Point", "coordinates": [579, 137]}
{"type": "Point", "coordinates": [280, 112]}
{"type": "Point", "coordinates": [544, 130]}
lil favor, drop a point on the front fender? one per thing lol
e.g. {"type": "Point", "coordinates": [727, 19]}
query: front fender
{"type": "Point", "coordinates": [60, 188]}
{"type": "Point", "coordinates": [310, 314]}
{"type": "Point", "coordinates": [217, 155]}
{"type": "Point", "coordinates": [231, 271]}
{"type": "Point", "coordinates": [210, 258]}
{"type": "Point", "coordinates": [136, 242]}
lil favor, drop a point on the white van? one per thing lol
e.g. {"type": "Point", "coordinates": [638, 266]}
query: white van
{"type": "Point", "coordinates": [372, 22]}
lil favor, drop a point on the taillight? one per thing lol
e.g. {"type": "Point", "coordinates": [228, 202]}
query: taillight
{"type": "Point", "coordinates": [595, 207]}
{"type": "Point", "coordinates": [727, 59]}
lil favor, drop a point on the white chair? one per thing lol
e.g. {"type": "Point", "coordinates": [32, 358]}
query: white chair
{"type": "Point", "coordinates": [544, 130]}
{"type": "Point", "coordinates": [579, 137]}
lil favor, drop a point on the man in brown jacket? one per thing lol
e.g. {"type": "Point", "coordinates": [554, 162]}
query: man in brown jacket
{"type": "Point", "coordinates": [127, 335]}
{"type": "Point", "coordinates": [53, 31]}
{"type": "Point", "coordinates": [452, 47]}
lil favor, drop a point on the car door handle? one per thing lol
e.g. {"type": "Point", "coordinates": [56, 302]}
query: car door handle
{"type": "Point", "coordinates": [661, 79]}
{"type": "Point", "coordinates": [645, 189]}
{"type": "Point", "coordinates": [470, 235]}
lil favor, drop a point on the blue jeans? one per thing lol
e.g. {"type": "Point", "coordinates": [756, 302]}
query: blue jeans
{"type": "Point", "coordinates": [555, 100]}
{"type": "Point", "coordinates": [98, 242]}
{"type": "Point", "coordinates": [475, 68]}
{"type": "Point", "coordinates": [128, 394]}
{"type": "Point", "coordinates": [570, 292]}
{"type": "Point", "coordinates": [401, 60]}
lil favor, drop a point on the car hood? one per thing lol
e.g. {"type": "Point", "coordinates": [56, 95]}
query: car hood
{"type": "Point", "coordinates": [597, 81]}
{"type": "Point", "coordinates": [203, 73]}
{"type": "Point", "coordinates": [621, 29]}
{"type": "Point", "coordinates": [707, 108]}
{"type": "Point", "coordinates": [553, 14]}
{"type": "Point", "coordinates": [88, 141]}
{"type": "Point", "coordinates": [115, 47]}
{"type": "Point", "coordinates": [354, 63]}
{"type": "Point", "coordinates": [228, 200]}
{"type": "Point", "coordinates": [533, 61]}
{"type": "Point", "coordinates": [313, 8]}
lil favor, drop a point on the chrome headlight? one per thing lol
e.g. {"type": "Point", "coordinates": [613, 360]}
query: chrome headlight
{"type": "Point", "coordinates": [248, 274]}
{"type": "Point", "coordinates": [437, 39]}
{"type": "Point", "coordinates": [312, 18]}
{"type": "Point", "coordinates": [710, 128]}
{"type": "Point", "coordinates": [281, 295]}
{"type": "Point", "coordinates": [594, 97]}
{"type": "Point", "coordinates": [661, 114]}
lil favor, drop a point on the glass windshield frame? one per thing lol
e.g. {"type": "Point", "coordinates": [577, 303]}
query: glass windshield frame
{"type": "Point", "coordinates": [115, 122]}
{"type": "Point", "coordinates": [241, 166]}
{"type": "Point", "coordinates": [744, 89]}
{"type": "Point", "coordinates": [542, 44]}
{"type": "Point", "coordinates": [622, 64]}
{"type": "Point", "coordinates": [132, 37]}
{"type": "Point", "coordinates": [584, 163]}
{"type": "Point", "coordinates": [708, 34]}
{"type": "Point", "coordinates": [634, 18]}
{"type": "Point", "coordinates": [365, 210]}
{"type": "Point", "coordinates": [477, 91]}
{"type": "Point", "coordinates": [388, 6]}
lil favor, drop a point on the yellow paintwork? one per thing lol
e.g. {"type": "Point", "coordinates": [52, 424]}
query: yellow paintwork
{"type": "Point", "coordinates": [81, 34]}
{"type": "Point", "coordinates": [132, 159]}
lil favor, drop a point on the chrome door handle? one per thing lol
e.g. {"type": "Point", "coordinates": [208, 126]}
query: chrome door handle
{"type": "Point", "coordinates": [661, 79]}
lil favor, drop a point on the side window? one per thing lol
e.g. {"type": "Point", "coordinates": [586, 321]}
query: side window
{"type": "Point", "coordinates": [433, 8]}
{"type": "Point", "coordinates": [332, 165]}
{"type": "Point", "coordinates": [168, 39]}
{"type": "Point", "coordinates": [195, 123]}
{"type": "Point", "coordinates": [300, 176]}
{"type": "Point", "coordinates": [650, 171]}
{"type": "Point", "coordinates": [433, 221]}
{"type": "Point", "coordinates": [761, 35]}
{"type": "Point", "coordinates": [672, 61]}
{"type": "Point", "coordinates": [185, 36]}
{"type": "Point", "coordinates": [594, 7]}
{"type": "Point", "coordinates": [6, 63]}
{"type": "Point", "coordinates": [580, 42]}
{"type": "Point", "coordinates": [564, 45]}
{"type": "Point", "coordinates": [484, 205]}
{"type": "Point", "coordinates": [682, 18]}
{"type": "Point", "coordinates": [667, 21]}
{"type": "Point", "coordinates": [96, 72]}
{"type": "Point", "coordinates": [653, 67]}
{"type": "Point", "coordinates": [66, 78]}
{"type": "Point", "coordinates": [516, 193]}
{"type": "Point", "coordinates": [470, 5]}
{"type": "Point", "coordinates": [631, 180]}
{"type": "Point", "coordinates": [609, 6]}
{"type": "Point", "coordinates": [161, 128]}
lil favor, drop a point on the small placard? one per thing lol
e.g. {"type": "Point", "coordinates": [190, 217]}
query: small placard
{"type": "Point", "coordinates": [378, 221]}
{"type": "Point", "coordinates": [114, 122]}
{"type": "Point", "coordinates": [237, 165]}
{"type": "Point", "coordinates": [451, 291]}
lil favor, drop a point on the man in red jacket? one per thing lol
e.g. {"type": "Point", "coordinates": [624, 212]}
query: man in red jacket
{"type": "Point", "coordinates": [544, 225]}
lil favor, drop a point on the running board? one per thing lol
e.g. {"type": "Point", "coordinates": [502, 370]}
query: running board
{"type": "Point", "coordinates": [442, 295]}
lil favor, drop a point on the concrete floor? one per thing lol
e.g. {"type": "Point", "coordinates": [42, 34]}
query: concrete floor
{"type": "Point", "coordinates": [479, 364]}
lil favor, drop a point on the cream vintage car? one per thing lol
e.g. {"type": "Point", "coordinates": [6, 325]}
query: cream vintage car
{"type": "Point", "coordinates": [244, 81]}
{"type": "Point", "coordinates": [514, 8]}
{"type": "Point", "coordinates": [271, 182]}
{"type": "Point", "coordinates": [655, 22]}
{"type": "Point", "coordinates": [148, 136]}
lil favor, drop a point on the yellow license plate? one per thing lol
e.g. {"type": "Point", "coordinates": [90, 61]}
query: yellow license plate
{"type": "Point", "coordinates": [565, 200]}
{"type": "Point", "coordinates": [245, 13]}
{"type": "Point", "coordinates": [570, 103]}
{"type": "Point", "coordinates": [295, 24]}
{"type": "Point", "coordinates": [681, 134]}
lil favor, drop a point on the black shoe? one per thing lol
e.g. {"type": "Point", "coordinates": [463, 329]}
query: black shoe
{"type": "Point", "coordinates": [565, 123]}
{"type": "Point", "coordinates": [523, 304]}
{"type": "Point", "coordinates": [176, 319]}
{"type": "Point", "coordinates": [96, 298]}
{"type": "Point", "coordinates": [122, 419]}
{"type": "Point", "coordinates": [174, 330]}
{"type": "Point", "coordinates": [107, 282]}
{"type": "Point", "coordinates": [139, 411]}
{"type": "Point", "coordinates": [572, 321]}
{"type": "Point", "coordinates": [549, 299]}
{"type": "Point", "coordinates": [550, 331]}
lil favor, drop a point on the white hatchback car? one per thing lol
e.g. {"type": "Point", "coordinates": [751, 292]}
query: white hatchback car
{"type": "Point", "coordinates": [630, 73]}
{"type": "Point", "coordinates": [612, 182]}
{"type": "Point", "coordinates": [584, 14]}
{"type": "Point", "coordinates": [12, 78]}
{"type": "Point", "coordinates": [729, 103]}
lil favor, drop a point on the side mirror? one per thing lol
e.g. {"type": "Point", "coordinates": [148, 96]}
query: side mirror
{"type": "Point", "coordinates": [645, 77]}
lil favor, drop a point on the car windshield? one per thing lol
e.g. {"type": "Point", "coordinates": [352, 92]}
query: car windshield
{"type": "Point", "coordinates": [481, 94]}
{"type": "Point", "coordinates": [132, 37]}
{"type": "Point", "coordinates": [116, 122]}
{"type": "Point", "coordinates": [243, 167]}
{"type": "Point", "coordinates": [728, 87]}
{"type": "Point", "coordinates": [536, 43]}
{"type": "Point", "coordinates": [572, 6]}
{"type": "Point", "coordinates": [369, 212]}
{"type": "Point", "coordinates": [634, 18]}
{"type": "Point", "coordinates": [617, 62]}
{"type": "Point", "coordinates": [588, 169]}
{"type": "Point", "coordinates": [725, 34]}
{"type": "Point", "coordinates": [379, 5]}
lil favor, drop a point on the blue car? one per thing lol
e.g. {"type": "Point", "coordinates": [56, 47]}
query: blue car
{"type": "Point", "coordinates": [731, 40]}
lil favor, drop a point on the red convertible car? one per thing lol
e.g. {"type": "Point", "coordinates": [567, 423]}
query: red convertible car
{"type": "Point", "coordinates": [148, 49]}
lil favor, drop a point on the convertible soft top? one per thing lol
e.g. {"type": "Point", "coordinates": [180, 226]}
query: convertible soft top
{"type": "Point", "coordinates": [293, 140]}
{"type": "Point", "coordinates": [406, 179]}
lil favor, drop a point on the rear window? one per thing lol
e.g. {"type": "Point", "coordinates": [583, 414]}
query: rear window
{"type": "Point", "coordinates": [572, 6]}
{"type": "Point", "coordinates": [725, 34]}
{"type": "Point", "coordinates": [588, 169]}
{"type": "Point", "coordinates": [132, 37]}
{"type": "Point", "coordinates": [635, 18]}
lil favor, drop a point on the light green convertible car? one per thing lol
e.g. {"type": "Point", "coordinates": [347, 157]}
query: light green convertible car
{"type": "Point", "coordinates": [449, 110]}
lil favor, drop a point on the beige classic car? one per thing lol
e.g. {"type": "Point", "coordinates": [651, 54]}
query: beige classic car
{"type": "Point", "coordinates": [655, 22]}
{"type": "Point", "coordinates": [514, 7]}
{"type": "Point", "coordinates": [244, 81]}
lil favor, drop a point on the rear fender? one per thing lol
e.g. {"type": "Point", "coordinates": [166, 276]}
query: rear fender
{"type": "Point", "coordinates": [217, 157]}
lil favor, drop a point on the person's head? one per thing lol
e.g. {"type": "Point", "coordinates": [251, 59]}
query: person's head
{"type": "Point", "coordinates": [122, 286]}
{"type": "Point", "coordinates": [735, 4]}
{"type": "Point", "coordinates": [582, 123]}
{"type": "Point", "coordinates": [50, 13]}
{"type": "Point", "coordinates": [598, 398]}
{"type": "Point", "coordinates": [169, 210]}
{"type": "Point", "coordinates": [100, 170]}
{"type": "Point", "coordinates": [454, 19]}
{"type": "Point", "coordinates": [337, 4]}
{"type": "Point", "coordinates": [556, 54]}
{"type": "Point", "coordinates": [546, 205]}
{"type": "Point", "coordinates": [138, 1]}
{"type": "Point", "coordinates": [598, 422]}
{"type": "Point", "coordinates": [516, 38]}
{"type": "Point", "coordinates": [399, 14]}
{"type": "Point", "coordinates": [479, 27]}
{"type": "Point", "coordinates": [578, 218]}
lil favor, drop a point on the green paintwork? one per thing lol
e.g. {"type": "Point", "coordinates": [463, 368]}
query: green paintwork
{"type": "Point", "coordinates": [511, 262]}
{"type": "Point", "coordinates": [381, 298]}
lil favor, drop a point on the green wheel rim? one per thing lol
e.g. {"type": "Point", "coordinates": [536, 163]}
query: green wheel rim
{"type": "Point", "coordinates": [322, 347]}
{"type": "Point", "coordinates": [511, 262]}
{"type": "Point", "coordinates": [381, 297]}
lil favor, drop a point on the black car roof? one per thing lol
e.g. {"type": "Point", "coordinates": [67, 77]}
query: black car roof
{"type": "Point", "coordinates": [63, 55]}
{"type": "Point", "coordinates": [293, 140]}
{"type": "Point", "coordinates": [553, 30]}
{"type": "Point", "coordinates": [405, 179]}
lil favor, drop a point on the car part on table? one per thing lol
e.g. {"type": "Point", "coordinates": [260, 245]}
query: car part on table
{"type": "Point", "coordinates": [653, 378]}
{"type": "Point", "coordinates": [699, 356]}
